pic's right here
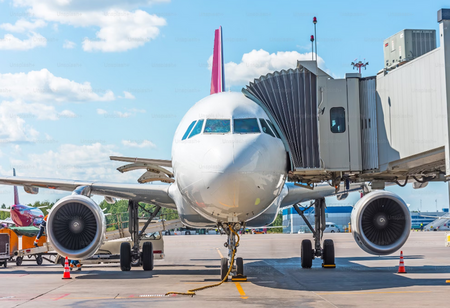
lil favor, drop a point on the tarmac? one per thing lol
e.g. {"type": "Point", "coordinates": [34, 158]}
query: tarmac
{"type": "Point", "coordinates": [272, 264]}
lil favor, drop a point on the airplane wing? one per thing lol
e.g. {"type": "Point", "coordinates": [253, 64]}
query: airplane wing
{"type": "Point", "coordinates": [298, 194]}
{"type": "Point", "coordinates": [4, 210]}
{"type": "Point", "coordinates": [155, 194]}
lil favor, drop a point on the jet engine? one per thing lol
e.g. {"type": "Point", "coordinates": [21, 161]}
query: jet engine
{"type": "Point", "coordinates": [76, 227]}
{"type": "Point", "coordinates": [381, 222]}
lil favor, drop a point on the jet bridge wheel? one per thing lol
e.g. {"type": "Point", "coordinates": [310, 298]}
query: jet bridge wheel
{"type": "Point", "coordinates": [306, 254]}
{"type": "Point", "coordinates": [223, 268]}
{"type": "Point", "coordinates": [328, 253]}
{"type": "Point", "coordinates": [125, 256]}
{"type": "Point", "coordinates": [147, 256]}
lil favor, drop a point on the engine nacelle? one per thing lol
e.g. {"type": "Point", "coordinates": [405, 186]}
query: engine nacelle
{"type": "Point", "coordinates": [76, 227]}
{"type": "Point", "coordinates": [381, 222]}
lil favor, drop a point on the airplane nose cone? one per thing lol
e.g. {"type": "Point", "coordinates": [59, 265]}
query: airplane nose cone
{"type": "Point", "coordinates": [237, 180]}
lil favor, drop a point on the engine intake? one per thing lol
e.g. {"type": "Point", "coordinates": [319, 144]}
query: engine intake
{"type": "Point", "coordinates": [381, 222]}
{"type": "Point", "coordinates": [76, 227]}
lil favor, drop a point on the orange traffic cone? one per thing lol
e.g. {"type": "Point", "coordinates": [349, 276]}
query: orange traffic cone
{"type": "Point", "coordinates": [401, 267]}
{"type": "Point", "coordinates": [66, 270]}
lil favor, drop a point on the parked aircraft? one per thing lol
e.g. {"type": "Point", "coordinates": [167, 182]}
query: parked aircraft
{"type": "Point", "coordinates": [229, 171]}
{"type": "Point", "coordinates": [22, 215]}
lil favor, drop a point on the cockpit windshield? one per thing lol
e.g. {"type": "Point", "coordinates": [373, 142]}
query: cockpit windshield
{"type": "Point", "coordinates": [217, 126]}
{"type": "Point", "coordinates": [197, 129]}
{"type": "Point", "coordinates": [246, 126]}
{"type": "Point", "coordinates": [188, 130]}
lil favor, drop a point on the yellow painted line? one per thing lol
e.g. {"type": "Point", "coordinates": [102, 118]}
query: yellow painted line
{"type": "Point", "coordinates": [241, 291]}
{"type": "Point", "coordinates": [220, 254]}
{"type": "Point", "coordinates": [447, 281]}
{"type": "Point", "coordinates": [357, 293]}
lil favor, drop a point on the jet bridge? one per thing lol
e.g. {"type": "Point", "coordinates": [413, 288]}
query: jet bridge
{"type": "Point", "coordinates": [390, 127]}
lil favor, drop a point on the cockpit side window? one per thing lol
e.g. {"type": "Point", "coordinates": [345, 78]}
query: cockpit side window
{"type": "Point", "coordinates": [246, 126]}
{"type": "Point", "coordinates": [273, 129]}
{"type": "Point", "coordinates": [197, 129]}
{"type": "Point", "coordinates": [217, 126]}
{"type": "Point", "coordinates": [186, 134]}
{"type": "Point", "coordinates": [265, 127]}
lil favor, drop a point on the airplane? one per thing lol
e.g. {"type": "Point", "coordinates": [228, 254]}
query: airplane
{"type": "Point", "coordinates": [22, 215]}
{"type": "Point", "coordinates": [228, 171]}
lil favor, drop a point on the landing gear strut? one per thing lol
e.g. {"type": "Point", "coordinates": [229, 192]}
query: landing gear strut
{"type": "Point", "coordinates": [132, 254]}
{"type": "Point", "coordinates": [237, 270]}
{"type": "Point", "coordinates": [307, 252]}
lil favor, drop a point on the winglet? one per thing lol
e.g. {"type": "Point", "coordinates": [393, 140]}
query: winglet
{"type": "Point", "coordinates": [218, 77]}
{"type": "Point", "coordinates": [16, 193]}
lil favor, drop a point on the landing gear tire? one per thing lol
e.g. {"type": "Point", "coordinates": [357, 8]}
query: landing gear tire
{"type": "Point", "coordinates": [188, 233]}
{"type": "Point", "coordinates": [19, 261]}
{"type": "Point", "coordinates": [147, 256]}
{"type": "Point", "coordinates": [224, 269]}
{"type": "Point", "coordinates": [328, 252]}
{"type": "Point", "coordinates": [239, 266]}
{"type": "Point", "coordinates": [125, 256]}
{"type": "Point", "coordinates": [306, 254]}
{"type": "Point", "coordinates": [39, 260]}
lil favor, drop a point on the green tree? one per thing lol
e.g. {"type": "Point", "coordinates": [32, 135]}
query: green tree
{"type": "Point", "coordinates": [4, 215]}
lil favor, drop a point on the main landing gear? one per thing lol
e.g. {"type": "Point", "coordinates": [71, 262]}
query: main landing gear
{"type": "Point", "coordinates": [133, 255]}
{"type": "Point", "coordinates": [308, 253]}
{"type": "Point", "coordinates": [231, 265]}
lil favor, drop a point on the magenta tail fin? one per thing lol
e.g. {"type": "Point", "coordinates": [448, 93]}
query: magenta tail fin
{"type": "Point", "coordinates": [217, 78]}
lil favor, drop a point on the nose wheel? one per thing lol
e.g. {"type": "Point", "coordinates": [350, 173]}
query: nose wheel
{"type": "Point", "coordinates": [232, 266]}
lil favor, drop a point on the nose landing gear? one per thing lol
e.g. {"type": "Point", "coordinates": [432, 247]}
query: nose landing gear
{"type": "Point", "coordinates": [227, 264]}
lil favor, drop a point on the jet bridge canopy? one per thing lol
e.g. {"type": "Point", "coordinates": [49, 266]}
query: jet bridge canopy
{"type": "Point", "coordinates": [289, 98]}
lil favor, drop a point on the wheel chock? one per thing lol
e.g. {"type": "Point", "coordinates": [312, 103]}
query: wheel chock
{"type": "Point", "coordinates": [328, 265]}
{"type": "Point", "coordinates": [239, 278]}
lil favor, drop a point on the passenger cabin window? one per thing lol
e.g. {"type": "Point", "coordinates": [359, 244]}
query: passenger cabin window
{"type": "Point", "coordinates": [273, 129]}
{"type": "Point", "coordinates": [186, 134]}
{"type": "Point", "coordinates": [337, 119]}
{"type": "Point", "coordinates": [265, 127]}
{"type": "Point", "coordinates": [246, 126]}
{"type": "Point", "coordinates": [217, 126]}
{"type": "Point", "coordinates": [197, 129]}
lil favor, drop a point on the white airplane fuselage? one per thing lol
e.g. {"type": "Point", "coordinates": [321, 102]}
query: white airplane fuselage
{"type": "Point", "coordinates": [228, 177]}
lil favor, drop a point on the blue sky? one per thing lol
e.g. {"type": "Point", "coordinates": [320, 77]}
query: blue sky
{"type": "Point", "coordinates": [84, 80]}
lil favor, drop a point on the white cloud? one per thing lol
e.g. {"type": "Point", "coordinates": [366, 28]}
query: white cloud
{"type": "Point", "coordinates": [13, 127]}
{"type": "Point", "coordinates": [68, 44]}
{"type": "Point", "coordinates": [67, 114]}
{"type": "Point", "coordinates": [43, 86]}
{"type": "Point", "coordinates": [23, 25]}
{"type": "Point", "coordinates": [128, 95]}
{"type": "Point", "coordinates": [260, 62]}
{"type": "Point", "coordinates": [120, 114]}
{"type": "Point", "coordinates": [135, 144]}
{"type": "Point", "coordinates": [10, 42]}
{"type": "Point", "coordinates": [121, 25]}
{"type": "Point", "coordinates": [101, 111]}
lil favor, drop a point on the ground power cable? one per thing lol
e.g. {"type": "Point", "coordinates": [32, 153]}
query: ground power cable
{"type": "Point", "coordinates": [192, 292]}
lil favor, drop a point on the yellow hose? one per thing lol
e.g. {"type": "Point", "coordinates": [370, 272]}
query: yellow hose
{"type": "Point", "coordinates": [192, 292]}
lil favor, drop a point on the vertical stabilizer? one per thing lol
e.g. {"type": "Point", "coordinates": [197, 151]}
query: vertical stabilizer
{"type": "Point", "coordinates": [217, 78]}
{"type": "Point", "coordinates": [16, 193]}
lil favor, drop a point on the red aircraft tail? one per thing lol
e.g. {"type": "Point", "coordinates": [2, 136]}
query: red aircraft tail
{"type": "Point", "coordinates": [16, 193]}
{"type": "Point", "coordinates": [217, 78]}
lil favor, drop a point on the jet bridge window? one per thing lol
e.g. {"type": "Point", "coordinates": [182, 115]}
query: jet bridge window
{"type": "Point", "coordinates": [265, 127]}
{"type": "Point", "coordinates": [217, 126]}
{"type": "Point", "coordinates": [246, 126]}
{"type": "Point", "coordinates": [188, 130]}
{"type": "Point", "coordinates": [337, 119]}
{"type": "Point", "coordinates": [197, 129]}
